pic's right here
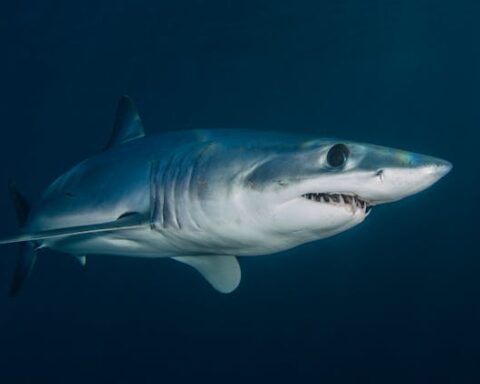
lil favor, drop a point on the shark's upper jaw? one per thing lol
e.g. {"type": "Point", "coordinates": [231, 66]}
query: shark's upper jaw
{"type": "Point", "coordinates": [366, 187]}
{"type": "Point", "coordinates": [348, 201]}
{"type": "Point", "coordinates": [320, 190]}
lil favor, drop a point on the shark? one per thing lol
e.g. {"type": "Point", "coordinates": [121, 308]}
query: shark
{"type": "Point", "coordinates": [206, 197]}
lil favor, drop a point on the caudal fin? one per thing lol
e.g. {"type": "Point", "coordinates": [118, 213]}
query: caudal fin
{"type": "Point", "coordinates": [25, 262]}
{"type": "Point", "coordinates": [27, 250]}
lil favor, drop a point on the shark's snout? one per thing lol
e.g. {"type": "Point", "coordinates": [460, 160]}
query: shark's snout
{"type": "Point", "coordinates": [407, 178]}
{"type": "Point", "coordinates": [440, 168]}
{"type": "Point", "coordinates": [427, 170]}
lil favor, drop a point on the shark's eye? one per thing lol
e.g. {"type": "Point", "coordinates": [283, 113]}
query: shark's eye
{"type": "Point", "coordinates": [337, 155]}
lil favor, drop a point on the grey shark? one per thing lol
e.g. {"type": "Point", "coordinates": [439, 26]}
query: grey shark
{"type": "Point", "coordinates": [205, 197]}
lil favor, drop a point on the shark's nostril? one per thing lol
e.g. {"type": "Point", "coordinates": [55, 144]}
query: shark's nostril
{"type": "Point", "coordinates": [380, 173]}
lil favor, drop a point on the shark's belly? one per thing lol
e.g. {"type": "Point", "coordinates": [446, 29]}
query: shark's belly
{"type": "Point", "coordinates": [170, 243]}
{"type": "Point", "coordinates": [153, 243]}
{"type": "Point", "coordinates": [134, 243]}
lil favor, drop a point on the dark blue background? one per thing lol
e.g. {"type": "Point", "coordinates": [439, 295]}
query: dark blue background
{"type": "Point", "coordinates": [394, 300]}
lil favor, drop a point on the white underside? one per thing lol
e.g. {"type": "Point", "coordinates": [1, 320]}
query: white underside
{"type": "Point", "coordinates": [170, 243]}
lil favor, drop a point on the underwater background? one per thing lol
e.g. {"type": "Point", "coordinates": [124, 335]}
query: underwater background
{"type": "Point", "coordinates": [394, 300]}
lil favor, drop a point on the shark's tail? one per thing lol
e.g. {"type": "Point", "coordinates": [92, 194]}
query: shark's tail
{"type": "Point", "coordinates": [27, 250]}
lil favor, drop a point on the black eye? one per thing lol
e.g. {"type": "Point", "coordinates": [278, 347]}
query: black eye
{"type": "Point", "coordinates": [337, 155]}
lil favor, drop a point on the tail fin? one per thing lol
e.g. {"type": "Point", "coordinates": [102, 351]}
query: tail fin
{"type": "Point", "coordinates": [22, 208]}
{"type": "Point", "coordinates": [25, 261]}
{"type": "Point", "coordinates": [27, 251]}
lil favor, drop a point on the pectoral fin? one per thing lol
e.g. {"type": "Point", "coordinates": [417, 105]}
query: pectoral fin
{"type": "Point", "coordinates": [130, 220]}
{"type": "Point", "coordinates": [222, 272]}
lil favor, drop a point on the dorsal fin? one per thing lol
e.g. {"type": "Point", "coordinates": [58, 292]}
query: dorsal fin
{"type": "Point", "coordinates": [128, 125]}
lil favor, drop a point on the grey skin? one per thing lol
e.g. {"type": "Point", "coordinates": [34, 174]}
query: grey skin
{"type": "Point", "coordinates": [205, 197]}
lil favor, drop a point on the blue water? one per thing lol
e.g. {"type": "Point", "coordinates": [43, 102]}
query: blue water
{"type": "Point", "coordinates": [394, 300]}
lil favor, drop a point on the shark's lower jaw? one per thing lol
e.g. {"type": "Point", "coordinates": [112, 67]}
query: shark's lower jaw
{"type": "Point", "coordinates": [352, 202]}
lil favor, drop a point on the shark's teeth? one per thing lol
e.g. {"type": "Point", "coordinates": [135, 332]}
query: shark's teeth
{"type": "Point", "coordinates": [352, 201]}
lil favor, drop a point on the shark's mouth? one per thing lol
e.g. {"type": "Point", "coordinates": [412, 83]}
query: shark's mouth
{"type": "Point", "coordinates": [339, 199]}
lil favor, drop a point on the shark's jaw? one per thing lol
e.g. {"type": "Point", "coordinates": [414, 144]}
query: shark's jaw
{"type": "Point", "coordinates": [350, 201]}
{"type": "Point", "coordinates": [316, 215]}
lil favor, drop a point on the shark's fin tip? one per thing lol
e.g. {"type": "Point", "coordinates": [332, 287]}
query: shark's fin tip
{"type": "Point", "coordinates": [25, 262]}
{"type": "Point", "coordinates": [222, 272]}
{"type": "Point", "coordinates": [128, 125]}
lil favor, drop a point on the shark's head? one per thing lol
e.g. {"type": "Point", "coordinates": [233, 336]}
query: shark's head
{"type": "Point", "coordinates": [325, 187]}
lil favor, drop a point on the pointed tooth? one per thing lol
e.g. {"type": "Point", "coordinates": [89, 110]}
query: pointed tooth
{"type": "Point", "coordinates": [353, 207]}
